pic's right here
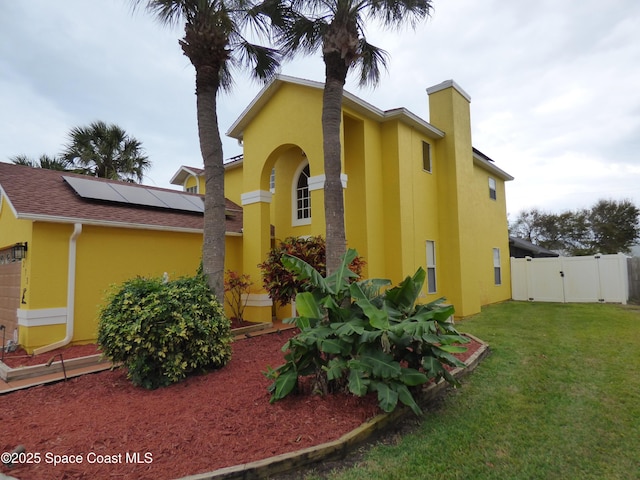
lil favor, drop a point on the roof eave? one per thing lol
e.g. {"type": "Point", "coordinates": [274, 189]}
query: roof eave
{"type": "Point", "coordinates": [181, 176]}
{"type": "Point", "coordinates": [107, 223]}
{"type": "Point", "coordinates": [349, 100]}
{"type": "Point", "coordinates": [487, 165]}
{"type": "Point", "coordinates": [415, 121]}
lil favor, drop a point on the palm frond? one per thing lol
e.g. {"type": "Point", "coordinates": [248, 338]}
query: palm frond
{"type": "Point", "coordinates": [263, 62]}
{"type": "Point", "coordinates": [370, 62]}
{"type": "Point", "coordinates": [301, 34]}
{"type": "Point", "coordinates": [395, 14]}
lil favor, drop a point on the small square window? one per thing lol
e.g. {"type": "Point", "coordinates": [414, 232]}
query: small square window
{"type": "Point", "coordinates": [492, 189]}
{"type": "Point", "coordinates": [426, 157]}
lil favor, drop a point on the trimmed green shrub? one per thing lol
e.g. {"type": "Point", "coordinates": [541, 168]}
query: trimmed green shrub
{"type": "Point", "coordinates": [163, 331]}
{"type": "Point", "coordinates": [355, 337]}
{"type": "Point", "coordinates": [280, 282]}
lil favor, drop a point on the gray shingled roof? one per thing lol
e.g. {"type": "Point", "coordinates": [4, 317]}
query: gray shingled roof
{"type": "Point", "coordinates": [41, 194]}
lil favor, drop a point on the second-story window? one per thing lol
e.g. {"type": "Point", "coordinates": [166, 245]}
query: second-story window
{"type": "Point", "coordinates": [492, 189]}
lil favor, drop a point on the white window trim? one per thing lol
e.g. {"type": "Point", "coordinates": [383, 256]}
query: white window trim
{"type": "Point", "coordinates": [430, 170]}
{"type": "Point", "coordinates": [493, 188]}
{"type": "Point", "coordinates": [295, 221]}
{"type": "Point", "coordinates": [431, 264]}
{"type": "Point", "coordinates": [272, 181]}
{"type": "Point", "coordinates": [496, 265]}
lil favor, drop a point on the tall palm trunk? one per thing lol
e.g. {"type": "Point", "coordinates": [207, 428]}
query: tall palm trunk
{"type": "Point", "coordinates": [214, 202]}
{"type": "Point", "coordinates": [336, 68]}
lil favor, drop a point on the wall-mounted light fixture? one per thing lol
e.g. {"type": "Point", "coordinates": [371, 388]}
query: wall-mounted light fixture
{"type": "Point", "coordinates": [19, 251]}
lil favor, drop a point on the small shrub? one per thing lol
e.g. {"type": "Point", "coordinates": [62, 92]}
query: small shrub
{"type": "Point", "coordinates": [235, 286]}
{"type": "Point", "coordinates": [281, 282]}
{"type": "Point", "coordinates": [162, 331]}
{"type": "Point", "coordinates": [356, 338]}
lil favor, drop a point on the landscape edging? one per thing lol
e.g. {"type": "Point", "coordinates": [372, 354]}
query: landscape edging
{"type": "Point", "coordinates": [287, 462]}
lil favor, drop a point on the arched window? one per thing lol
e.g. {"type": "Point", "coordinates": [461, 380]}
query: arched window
{"type": "Point", "coordinates": [302, 197]}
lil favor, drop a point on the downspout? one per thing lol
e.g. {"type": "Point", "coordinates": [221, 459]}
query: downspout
{"type": "Point", "coordinates": [71, 294]}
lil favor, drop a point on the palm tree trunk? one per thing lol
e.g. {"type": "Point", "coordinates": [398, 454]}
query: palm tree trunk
{"type": "Point", "coordinates": [333, 195]}
{"type": "Point", "coordinates": [213, 247]}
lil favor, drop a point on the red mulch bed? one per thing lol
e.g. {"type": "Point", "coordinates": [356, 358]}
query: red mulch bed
{"type": "Point", "coordinates": [206, 422]}
{"type": "Point", "coordinates": [20, 358]}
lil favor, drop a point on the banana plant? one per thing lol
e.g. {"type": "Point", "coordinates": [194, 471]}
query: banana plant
{"type": "Point", "coordinates": [362, 337]}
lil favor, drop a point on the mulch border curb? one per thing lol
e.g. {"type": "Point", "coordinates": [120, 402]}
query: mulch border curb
{"type": "Point", "coordinates": [339, 448]}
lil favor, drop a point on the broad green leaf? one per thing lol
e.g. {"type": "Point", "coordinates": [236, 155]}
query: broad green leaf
{"type": "Point", "coordinates": [431, 338]}
{"type": "Point", "coordinates": [357, 384]}
{"type": "Point", "coordinates": [284, 384]}
{"type": "Point", "coordinates": [404, 296]}
{"type": "Point", "coordinates": [423, 315]}
{"type": "Point", "coordinates": [304, 271]}
{"type": "Point", "coordinates": [381, 364]}
{"type": "Point", "coordinates": [377, 318]}
{"type": "Point", "coordinates": [335, 368]}
{"type": "Point", "coordinates": [406, 398]}
{"type": "Point", "coordinates": [449, 339]}
{"type": "Point", "coordinates": [446, 357]}
{"type": "Point", "coordinates": [453, 348]}
{"type": "Point", "coordinates": [432, 366]}
{"type": "Point", "coordinates": [370, 336]}
{"type": "Point", "coordinates": [339, 279]}
{"type": "Point", "coordinates": [331, 345]}
{"type": "Point", "coordinates": [349, 328]}
{"type": "Point", "coordinates": [372, 287]}
{"type": "Point", "coordinates": [307, 306]}
{"type": "Point", "coordinates": [302, 323]}
{"type": "Point", "coordinates": [412, 377]}
{"type": "Point", "coordinates": [387, 398]}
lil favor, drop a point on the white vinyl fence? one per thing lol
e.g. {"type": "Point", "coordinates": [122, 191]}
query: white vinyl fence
{"type": "Point", "coordinates": [597, 278]}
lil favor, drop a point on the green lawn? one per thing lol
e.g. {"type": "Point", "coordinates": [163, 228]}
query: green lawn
{"type": "Point", "coordinates": [558, 398]}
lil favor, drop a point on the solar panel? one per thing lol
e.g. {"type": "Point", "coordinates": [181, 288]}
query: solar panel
{"type": "Point", "coordinates": [87, 188]}
{"type": "Point", "coordinates": [197, 201]}
{"type": "Point", "coordinates": [134, 195]}
{"type": "Point", "coordinates": [179, 201]}
{"type": "Point", "coordinates": [137, 195]}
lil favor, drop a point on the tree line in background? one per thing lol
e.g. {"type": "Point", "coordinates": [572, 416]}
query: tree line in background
{"type": "Point", "coordinates": [607, 227]}
{"type": "Point", "coordinates": [99, 150]}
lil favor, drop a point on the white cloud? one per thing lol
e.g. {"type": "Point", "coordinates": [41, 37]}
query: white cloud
{"type": "Point", "coordinates": [554, 86]}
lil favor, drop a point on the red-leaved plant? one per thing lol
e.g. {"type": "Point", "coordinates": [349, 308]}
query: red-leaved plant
{"type": "Point", "coordinates": [280, 282]}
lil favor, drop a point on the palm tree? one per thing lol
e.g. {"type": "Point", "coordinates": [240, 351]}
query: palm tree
{"type": "Point", "coordinates": [45, 161]}
{"type": "Point", "coordinates": [337, 28]}
{"type": "Point", "coordinates": [106, 151]}
{"type": "Point", "coordinates": [214, 43]}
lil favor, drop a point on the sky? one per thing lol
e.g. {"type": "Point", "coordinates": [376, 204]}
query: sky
{"type": "Point", "coordinates": [554, 86]}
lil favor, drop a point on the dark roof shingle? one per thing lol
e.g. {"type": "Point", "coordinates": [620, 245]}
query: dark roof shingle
{"type": "Point", "coordinates": [37, 193]}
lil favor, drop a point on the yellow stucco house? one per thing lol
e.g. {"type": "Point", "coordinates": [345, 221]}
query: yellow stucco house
{"type": "Point", "coordinates": [77, 236]}
{"type": "Point", "coordinates": [416, 194]}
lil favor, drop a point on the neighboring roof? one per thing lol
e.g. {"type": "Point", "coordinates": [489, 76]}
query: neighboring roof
{"type": "Point", "coordinates": [535, 250]}
{"type": "Point", "coordinates": [185, 172]}
{"type": "Point", "coordinates": [348, 100]}
{"type": "Point", "coordinates": [42, 195]}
